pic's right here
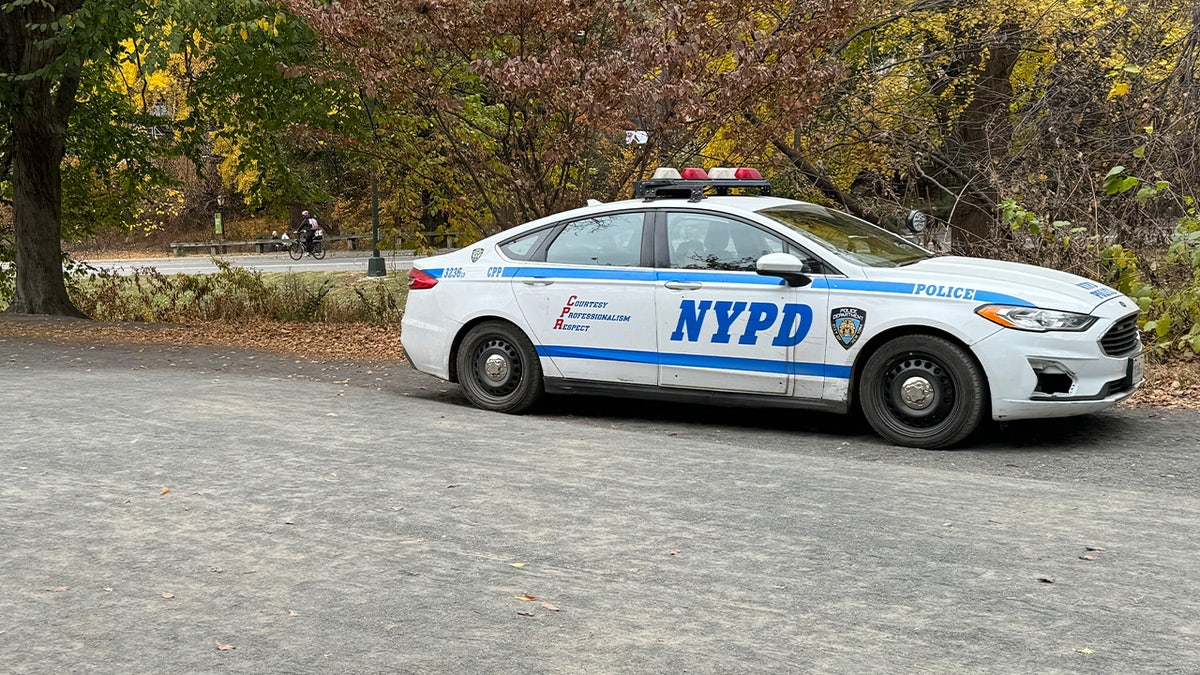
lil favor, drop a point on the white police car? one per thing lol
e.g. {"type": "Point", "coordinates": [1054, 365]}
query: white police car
{"type": "Point", "coordinates": [697, 295]}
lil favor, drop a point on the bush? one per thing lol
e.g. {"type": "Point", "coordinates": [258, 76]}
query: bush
{"type": "Point", "coordinates": [235, 294]}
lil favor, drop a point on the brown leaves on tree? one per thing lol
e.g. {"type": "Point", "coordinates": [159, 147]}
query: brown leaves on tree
{"type": "Point", "coordinates": [525, 100]}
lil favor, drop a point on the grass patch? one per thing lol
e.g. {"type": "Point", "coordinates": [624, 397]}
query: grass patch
{"type": "Point", "coordinates": [235, 294]}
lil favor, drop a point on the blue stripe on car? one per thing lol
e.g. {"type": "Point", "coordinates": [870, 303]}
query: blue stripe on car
{"type": "Point", "coordinates": [696, 361]}
{"type": "Point", "coordinates": [831, 283]}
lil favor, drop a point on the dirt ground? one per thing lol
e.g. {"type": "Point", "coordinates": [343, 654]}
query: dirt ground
{"type": "Point", "coordinates": [1171, 383]}
{"type": "Point", "coordinates": [199, 509]}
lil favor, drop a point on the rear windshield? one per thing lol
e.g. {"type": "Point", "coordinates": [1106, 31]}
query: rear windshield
{"type": "Point", "coordinates": [855, 240]}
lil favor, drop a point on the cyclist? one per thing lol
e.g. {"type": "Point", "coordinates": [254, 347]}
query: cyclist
{"type": "Point", "coordinates": [309, 228]}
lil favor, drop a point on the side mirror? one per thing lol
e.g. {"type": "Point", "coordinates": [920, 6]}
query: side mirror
{"type": "Point", "coordinates": [915, 221]}
{"type": "Point", "coordinates": [785, 266]}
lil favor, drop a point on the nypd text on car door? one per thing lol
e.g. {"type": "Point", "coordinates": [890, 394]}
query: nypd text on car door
{"type": "Point", "coordinates": [723, 327]}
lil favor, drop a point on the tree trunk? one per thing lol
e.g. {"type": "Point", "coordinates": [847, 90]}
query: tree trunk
{"type": "Point", "coordinates": [39, 104]}
{"type": "Point", "coordinates": [38, 149]}
{"type": "Point", "coordinates": [984, 132]}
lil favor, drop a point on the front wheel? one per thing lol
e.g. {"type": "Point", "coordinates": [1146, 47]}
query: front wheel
{"type": "Point", "coordinates": [499, 369]}
{"type": "Point", "coordinates": [296, 250]}
{"type": "Point", "coordinates": [923, 391]}
{"type": "Point", "coordinates": [318, 251]}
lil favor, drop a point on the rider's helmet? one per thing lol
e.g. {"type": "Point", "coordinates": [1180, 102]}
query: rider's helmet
{"type": "Point", "coordinates": [304, 213]}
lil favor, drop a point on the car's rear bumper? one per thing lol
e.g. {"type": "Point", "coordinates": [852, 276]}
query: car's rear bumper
{"type": "Point", "coordinates": [426, 341]}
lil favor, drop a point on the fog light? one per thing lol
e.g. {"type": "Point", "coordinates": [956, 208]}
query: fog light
{"type": "Point", "coordinates": [1052, 377]}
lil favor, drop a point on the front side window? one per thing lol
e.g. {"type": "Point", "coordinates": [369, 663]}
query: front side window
{"type": "Point", "coordinates": [855, 240]}
{"type": "Point", "coordinates": [707, 242]}
{"type": "Point", "coordinates": [612, 240]}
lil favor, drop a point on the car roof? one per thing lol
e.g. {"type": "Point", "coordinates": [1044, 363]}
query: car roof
{"type": "Point", "coordinates": [746, 204]}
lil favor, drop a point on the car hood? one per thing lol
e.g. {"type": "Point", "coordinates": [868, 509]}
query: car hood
{"type": "Point", "coordinates": [995, 281]}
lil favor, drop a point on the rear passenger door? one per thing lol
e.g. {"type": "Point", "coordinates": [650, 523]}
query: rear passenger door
{"type": "Point", "coordinates": [589, 296]}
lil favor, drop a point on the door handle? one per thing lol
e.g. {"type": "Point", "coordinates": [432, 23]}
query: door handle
{"type": "Point", "coordinates": [537, 282]}
{"type": "Point", "coordinates": [683, 285]}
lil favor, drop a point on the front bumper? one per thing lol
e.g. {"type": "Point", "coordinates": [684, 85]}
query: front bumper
{"type": "Point", "coordinates": [1059, 374]}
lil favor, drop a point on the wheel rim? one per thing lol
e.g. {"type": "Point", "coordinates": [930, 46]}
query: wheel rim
{"type": "Point", "coordinates": [497, 368]}
{"type": "Point", "coordinates": [918, 391]}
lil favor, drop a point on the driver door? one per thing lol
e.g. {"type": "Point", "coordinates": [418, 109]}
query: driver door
{"type": "Point", "coordinates": [724, 327]}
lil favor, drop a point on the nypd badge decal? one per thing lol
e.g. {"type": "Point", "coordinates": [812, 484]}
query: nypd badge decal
{"type": "Point", "coordinates": [848, 323]}
{"type": "Point", "coordinates": [476, 254]}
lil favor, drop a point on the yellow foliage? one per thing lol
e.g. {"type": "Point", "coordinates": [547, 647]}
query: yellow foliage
{"type": "Point", "coordinates": [241, 179]}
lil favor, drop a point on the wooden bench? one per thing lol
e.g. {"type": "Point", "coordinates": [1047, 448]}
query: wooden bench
{"type": "Point", "coordinates": [447, 239]}
{"type": "Point", "coordinates": [222, 246]}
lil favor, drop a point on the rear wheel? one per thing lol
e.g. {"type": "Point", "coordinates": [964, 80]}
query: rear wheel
{"type": "Point", "coordinates": [923, 391]}
{"type": "Point", "coordinates": [296, 250]}
{"type": "Point", "coordinates": [499, 369]}
{"type": "Point", "coordinates": [318, 251]}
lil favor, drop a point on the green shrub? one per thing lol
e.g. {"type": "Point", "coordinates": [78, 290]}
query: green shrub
{"type": "Point", "coordinates": [235, 294]}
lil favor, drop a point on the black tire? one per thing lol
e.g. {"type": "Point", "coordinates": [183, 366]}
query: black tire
{"type": "Point", "coordinates": [318, 251]}
{"type": "Point", "coordinates": [499, 369]}
{"type": "Point", "coordinates": [945, 399]}
{"type": "Point", "coordinates": [296, 250]}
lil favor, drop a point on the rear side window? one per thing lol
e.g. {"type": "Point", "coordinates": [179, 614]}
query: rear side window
{"type": "Point", "coordinates": [614, 240]}
{"type": "Point", "coordinates": [523, 248]}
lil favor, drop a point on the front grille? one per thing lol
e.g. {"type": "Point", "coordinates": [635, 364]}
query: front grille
{"type": "Point", "coordinates": [1122, 338]}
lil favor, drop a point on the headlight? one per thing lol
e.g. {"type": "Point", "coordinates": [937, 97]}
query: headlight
{"type": "Point", "coordinates": [1034, 319]}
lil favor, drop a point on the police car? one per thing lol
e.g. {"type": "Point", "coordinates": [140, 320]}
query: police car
{"type": "Point", "coordinates": [708, 289]}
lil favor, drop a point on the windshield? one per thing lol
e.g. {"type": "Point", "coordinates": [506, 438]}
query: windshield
{"type": "Point", "coordinates": [853, 239]}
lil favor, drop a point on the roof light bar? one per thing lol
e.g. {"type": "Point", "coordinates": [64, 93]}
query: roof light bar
{"type": "Point", "coordinates": [695, 183]}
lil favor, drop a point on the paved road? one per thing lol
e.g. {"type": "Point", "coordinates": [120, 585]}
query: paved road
{"type": "Point", "coordinates": [335, 261]}
{"type": "Point", "coordinates": [396, 530]}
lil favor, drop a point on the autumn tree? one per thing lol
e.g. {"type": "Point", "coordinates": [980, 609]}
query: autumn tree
{"type": "Point", "coordinates": [74, 85]}
{"type": "Point", "coordinates": [968, 104]}
{"type": "Point", "coordinates": [506, 110]}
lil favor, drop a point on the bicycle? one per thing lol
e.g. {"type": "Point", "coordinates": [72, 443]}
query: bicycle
{"type": "Point", "coordinates": [296, 249]}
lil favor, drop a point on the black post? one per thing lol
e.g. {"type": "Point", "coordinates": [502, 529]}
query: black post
{"type": "Point", "coordinates": [375, 266]}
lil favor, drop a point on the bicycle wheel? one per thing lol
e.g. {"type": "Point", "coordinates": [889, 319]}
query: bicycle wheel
{"type": "Point", "coordinates": [318, 251]}
{"type": "Point", "coordinates": [296, 250]}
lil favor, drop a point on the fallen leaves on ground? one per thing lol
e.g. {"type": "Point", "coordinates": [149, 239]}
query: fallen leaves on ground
{"type": "Point", "coordinates": [550, 607]}
{"type": "Point", "coordinates": [316, 341]}
{"type": "Point", "coordinates": [222, 647]}
{"type": "Point", "coordinates": [526, 598]}
{"type": "Point", "coordinates": [59, 589]}
{"type": "Point", "coordinates": [168, 596]}
{"type": "Point", "coordinates": [165, 491]}
{"type": "Point", "coordinates": [1172, 383]}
